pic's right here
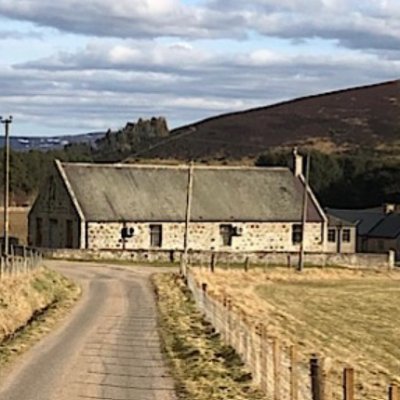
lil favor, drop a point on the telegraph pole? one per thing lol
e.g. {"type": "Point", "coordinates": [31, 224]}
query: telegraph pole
{"type": "Point", "coordinates": [300, 267]}
{"type": "Point", "coordinates": [189, 195]}
{"type": "Point", "coordinates": [6, 122]}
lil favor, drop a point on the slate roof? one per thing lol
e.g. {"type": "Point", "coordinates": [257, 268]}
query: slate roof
{"type": "Point", "coordinates": [387, 228]}
{"type": "Point", "coordinates": [336, 221]}
{"type": "Point", "coordinates": [371, 222]}
{"type": "Point", "coordinates": [126, 192]}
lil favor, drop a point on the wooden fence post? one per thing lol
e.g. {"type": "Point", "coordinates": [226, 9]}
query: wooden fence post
{"type": "Point", "coordinates": [213, 262]}
{"type": "Point", "coordinates": [204, 297]}
{"type": "Point", "coordinates": [316, 378]}
{"type": "Point", "coordinates": [348, 384]}
{"type": "Point", "coordinates": [277, 368]}
{"type": "Point", "coordinates": [247, 264]}
{"type": "Point", "coordinates": [294, 379]}
{"type": "Point", "coordinates": [393, 392]}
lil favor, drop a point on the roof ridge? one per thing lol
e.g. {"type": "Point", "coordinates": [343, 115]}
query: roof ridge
{"type": "Point", "coordinates": [176, 167]}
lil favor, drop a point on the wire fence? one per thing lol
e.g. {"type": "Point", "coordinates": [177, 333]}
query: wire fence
{"type": "Point", "coordinates": [19, 260]}
{"type": "Point", "coordinates": [276, 366]}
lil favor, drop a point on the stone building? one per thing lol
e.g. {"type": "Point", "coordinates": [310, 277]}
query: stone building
{"type": "Point", "coordinates": [143, 207]}
{"type": "Point", "coordinates": [377, 229]}
{"type": "Point", "coordinates": [342, 235]}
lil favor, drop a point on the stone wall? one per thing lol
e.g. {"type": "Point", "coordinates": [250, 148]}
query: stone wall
{"type": "Point", "coordinates": [50, 215]}
{"type": "Point", "coordinates": [268, 237]}
{"type": "Point", "coordinates": [229, 258]}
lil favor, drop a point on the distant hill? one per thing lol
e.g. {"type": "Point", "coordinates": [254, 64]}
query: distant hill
{"type": "Point", "coordinates": [25, 143]}
{"type": "Point", "coordinates": [344, 121]}
{"type": "Point", "coordinates": [31, 158]}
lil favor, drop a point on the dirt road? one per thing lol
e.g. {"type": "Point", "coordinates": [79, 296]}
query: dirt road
{"type": "Point", "coordinates": [107, 349]}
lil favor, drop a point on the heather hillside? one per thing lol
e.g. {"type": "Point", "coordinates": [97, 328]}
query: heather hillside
{"type": "Point", "coordinates": [343, 121]}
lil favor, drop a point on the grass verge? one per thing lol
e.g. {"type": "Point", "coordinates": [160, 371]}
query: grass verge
{"type": "Point", "coordinates": [203, 367]}
{"type": "Point", "coordinates": [111, 261]}
{"type": "Point", "coordinates": [30, 307]}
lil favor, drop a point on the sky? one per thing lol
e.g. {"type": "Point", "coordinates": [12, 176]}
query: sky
{"type": "Point", "coordinates": [73, 66]}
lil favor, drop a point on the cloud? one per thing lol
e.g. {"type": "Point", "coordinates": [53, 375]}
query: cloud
{"type": "Point", "coordinates": [370, 24]}
{"type": "Point", "coordinates": [185, 60]}
{"type": "Point", "coordinates": [17, 35]}
{"type": "Point", "coordinates": [106, 84]}
{"type": "Point", "coordinates": [123, 18]}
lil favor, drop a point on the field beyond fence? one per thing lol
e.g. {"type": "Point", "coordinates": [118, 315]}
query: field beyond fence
{"type": "Point", "coordinates": [321, 335]}
{"type": "Point", "coordinates": [18, 218]}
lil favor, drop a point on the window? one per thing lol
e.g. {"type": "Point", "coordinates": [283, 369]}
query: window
{"type": "Point", "coordinates": [332, 235]}
{"type": "Point", "coordinates": [155, 235]}
{"type": "Point", "coordinates": [297, 234]}
{"type": "Point", "coordinates": [39, 227]}
{"type": "Point", "coordinates": [69, 234]}
{"type": "Point", "coordinates": [346, 235]}
{"type": "Point", "coordinates": [226, 232]}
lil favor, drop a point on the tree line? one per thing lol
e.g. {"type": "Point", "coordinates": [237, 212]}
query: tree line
{"type": "Point", "coordinates": [353, 180]}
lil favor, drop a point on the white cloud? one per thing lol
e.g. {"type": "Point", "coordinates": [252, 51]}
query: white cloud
{"type": "Point", "coordinates": [367, 24]}
{"type": "Point", "coordinates": [128, 80]}
{"type": "Point", "coordinates": [151, 57]}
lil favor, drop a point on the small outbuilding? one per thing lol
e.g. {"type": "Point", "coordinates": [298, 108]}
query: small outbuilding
{"type": "Point", "coordinates": [143, 207]}
{"type": "Point", "coordinates": [377, 229]}
{"type": "Point", "coordinates": [342, 235]}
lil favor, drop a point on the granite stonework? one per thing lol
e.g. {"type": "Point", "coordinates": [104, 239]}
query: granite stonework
{"type": "Point", "coordinates": [264, 237]}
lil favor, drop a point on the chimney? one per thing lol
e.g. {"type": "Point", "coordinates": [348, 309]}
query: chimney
{"type": "Point", "coordinates": [389, 208]}
{"type": "Point", "coordinates": [297, 163]}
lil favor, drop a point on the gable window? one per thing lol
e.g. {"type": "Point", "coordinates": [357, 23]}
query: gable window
{"type": "Point", "coordinates": [297, 233]}
{"type": "Point", "coordinates": [332, 235]}
{"type": "Point", "coordinates": [155, 235]}
{"type": "Point", "coordinates": [227, 232]}
{"type": "Point", "coordinates": [346, 235]}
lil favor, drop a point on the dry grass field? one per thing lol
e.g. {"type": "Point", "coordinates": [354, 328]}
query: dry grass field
{"type": "Point", "coordinates": [351, 317]}
{"type": "Point", "coordinates": [203, 367]}
{"type": "Point", "coordinates": [30, 306]}
{"type": "Point", "coordinates": [18, 223]}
